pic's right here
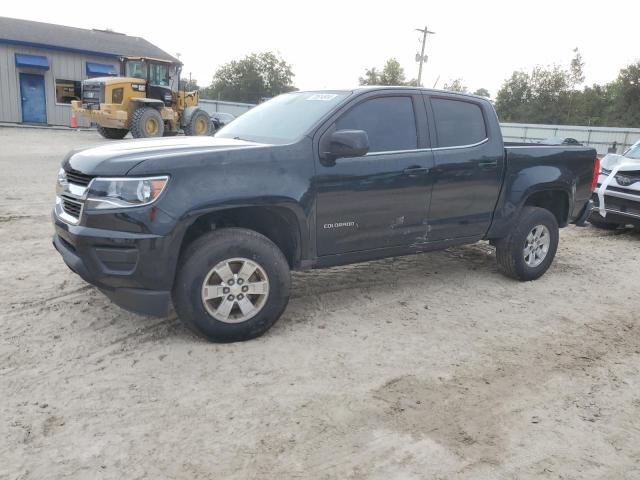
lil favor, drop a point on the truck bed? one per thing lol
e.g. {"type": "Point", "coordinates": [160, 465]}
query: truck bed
{"type": "Point", "coordinates": [527, 171]}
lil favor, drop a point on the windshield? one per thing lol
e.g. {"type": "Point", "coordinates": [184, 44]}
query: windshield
{"type": "Point", "coordinates": [283, 119]}
{"type": "Point", "coordinates": [633, 152]}
{"type": "Point", "coordinates": [136, 69]}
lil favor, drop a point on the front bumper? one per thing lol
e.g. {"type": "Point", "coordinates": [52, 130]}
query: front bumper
{"type": "Point", "coordinates": [105, 116]}
{"type": "Point", "coordinates": [623, 208]}
{"type": "Point", "coordinates": [132, 269]}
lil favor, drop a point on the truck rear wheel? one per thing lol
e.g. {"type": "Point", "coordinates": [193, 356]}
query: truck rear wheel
{"type": "Point", "coordinates": [232, 285]}
{"type": "Point", "coordinates": [113, 133]}
{"type": "Point", "coordinates": [146, 122]}
{"type": "Point", "coordinates": [199, 124]}
{"type": "Point", "coordinates": [529, 249]}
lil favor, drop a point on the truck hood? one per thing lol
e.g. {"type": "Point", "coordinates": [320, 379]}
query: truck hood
{"type": "Point", "coordinates": [612, 161]}
{"type": "Point", "coordinates": [118, 158]}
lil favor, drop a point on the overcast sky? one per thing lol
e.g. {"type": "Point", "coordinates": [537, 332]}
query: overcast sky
{"type": "Point", "coordinates": [331, 43]}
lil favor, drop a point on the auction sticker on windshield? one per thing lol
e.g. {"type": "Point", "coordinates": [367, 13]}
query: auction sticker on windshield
{"type": "Point", "coordinates": [323, 97]}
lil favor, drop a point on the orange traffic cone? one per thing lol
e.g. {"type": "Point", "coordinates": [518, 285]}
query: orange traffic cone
{"type": "Point", "coordinates": [74, 122]}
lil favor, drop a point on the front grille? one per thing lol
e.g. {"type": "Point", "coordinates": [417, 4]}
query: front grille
{"type": "Point", "coordinates": [621, 190]}
{"type": "Point", "coordinates": [79, 178]}
{"type": "Point", "coordinates": [619, 205]}
{"type": "Point", "coordinates": [71, 207]}
{"type": "Point", "coordinates": [628, 178]}
{"type": "Point", "coordinates": [92, 94]}
{"type": "Point", "coordinates": [624, 177]}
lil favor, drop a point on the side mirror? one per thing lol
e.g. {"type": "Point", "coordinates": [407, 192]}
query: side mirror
{"type": "Point", "coordinates": [347, 143]}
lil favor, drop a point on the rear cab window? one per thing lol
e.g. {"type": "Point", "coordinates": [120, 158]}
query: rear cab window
{"type": "Point", "coordinates": [458, 122]}
{"type": "Point", "coordinates": [390, 123]}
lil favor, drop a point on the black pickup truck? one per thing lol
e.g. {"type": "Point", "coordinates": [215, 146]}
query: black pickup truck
{"type": "Point", "coordinates": [309, 180]}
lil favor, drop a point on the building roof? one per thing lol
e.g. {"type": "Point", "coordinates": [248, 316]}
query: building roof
{"type": "Point", "coordinates": [79, 40]}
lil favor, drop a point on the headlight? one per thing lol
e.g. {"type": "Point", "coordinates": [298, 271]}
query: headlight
{"type": "Point", "coordinates": [62, 176]}
{"type": "Point", "coordinates": [139, 87]}
{"type": "Point", "coordinates": [110, 193]}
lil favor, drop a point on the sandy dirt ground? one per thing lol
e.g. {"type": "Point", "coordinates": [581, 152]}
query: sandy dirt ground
{"type": "Point", "coordinates": [430, 366]}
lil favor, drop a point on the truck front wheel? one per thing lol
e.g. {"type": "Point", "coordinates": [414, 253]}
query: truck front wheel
{"type": "Point", "coordinates": [199, 124]}
{"type": "Point", "coordinates": [232, 285]}
{"type": "Point", "coordinates": [112, 133]}
{"type": "Point", "coordinates": [528, 251]}
{"type": "Point", "coordinates": [146, 122]}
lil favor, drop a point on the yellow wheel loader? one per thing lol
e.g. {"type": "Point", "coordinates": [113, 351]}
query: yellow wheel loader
{"type": "Point", "coordinates": [146, 101]}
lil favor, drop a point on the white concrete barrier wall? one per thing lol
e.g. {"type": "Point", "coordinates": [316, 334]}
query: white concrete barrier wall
{"type": "Point", "coordinates": [234, 108]}
{"type": "Point", "coordinates": [600, 138]}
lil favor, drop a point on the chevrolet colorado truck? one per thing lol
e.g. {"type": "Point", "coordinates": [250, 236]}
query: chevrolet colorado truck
{"type": "Point", "coordinates": [309, 180]}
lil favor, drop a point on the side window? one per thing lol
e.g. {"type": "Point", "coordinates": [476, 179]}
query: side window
{"type": "Point", "coordinates": [458, 122]}
{"type": "Point", "coordinates": [159, 74]}
{"type": "Point", "coordinates": [67, 90]}
{"type": "Point", "coordinates": [389, 121]}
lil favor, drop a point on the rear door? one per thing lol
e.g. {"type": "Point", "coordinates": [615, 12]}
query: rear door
{"type": "Point", "coordinates": [379, 200]}
{"type": "Point", "coordinates": [468, 168]}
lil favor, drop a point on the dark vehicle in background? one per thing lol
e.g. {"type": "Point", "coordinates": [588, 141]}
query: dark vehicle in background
{"type": "Point", "coordinates": [221, 119]}
{"type": "Point", "coordinates": [309, 180]}
{"type": "Point", "coordinates": [618, 204]}
{"type": "Point", "coordinates": [560, 141]}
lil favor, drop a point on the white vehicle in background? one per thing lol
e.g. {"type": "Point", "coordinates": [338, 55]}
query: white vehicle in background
{"type": "Point", "coordinates": [617, 196]}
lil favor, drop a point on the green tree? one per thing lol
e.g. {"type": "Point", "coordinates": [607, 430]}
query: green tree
{"type": "Point", "coordinates": [625, 92]}
{"type": "Point", "coordinates": [456, 85]}
{"type": "Point", "coordinates": [592, 106]}
{"type": "Point", "coordinates": [482, 92]}
{"type": "Point", "coordinates": [251, 79]}
{"type": "Point", "coordinates": [391, 74]}
{"type": "Point", "coordinates": [189, 85]}
{"type": "Point", "coordinates": [542, 96]}
{"type": "Point", "coordinates": [552, 95]}
{"type": "Point", "coordinates": [513, 98]}
{"type": "Point", "coordinates": [576, 69]}
{"type": "Point", "coordinates": [371, 77]}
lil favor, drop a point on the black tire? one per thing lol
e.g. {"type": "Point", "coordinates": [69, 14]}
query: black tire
{"type": "Point", "coordinates": [510, 249]}
{"type": "Point", "coordinates": [146, 122]}
{"type": "Point", "coordinates": [215, 126]}
{"type": "Point", "coordinates": [602, 224]}
{"type": "Point", "coordinates": [199, 124]}
{"type": "Point", "coordinates": [207, 252]}
{"type": "Point", "coordinates": [113, 133]}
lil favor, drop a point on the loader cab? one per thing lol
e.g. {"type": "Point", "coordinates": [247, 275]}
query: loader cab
{"type": "Point", "coordinates": [160, 77]}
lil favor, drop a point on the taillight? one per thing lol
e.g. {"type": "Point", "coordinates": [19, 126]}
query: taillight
{"type": "Point", "coordinates": [596, 174]}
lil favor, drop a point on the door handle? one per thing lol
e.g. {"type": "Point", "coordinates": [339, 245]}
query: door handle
{"type": "Point", "coordinates": [488, 165]}
{"type": "Point", "coordinates": [415, 171]}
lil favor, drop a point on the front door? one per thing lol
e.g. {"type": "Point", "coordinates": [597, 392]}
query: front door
{"type": "Point", "coordinates": [379, 200]}
{"type": "Point", "coordinates": [34, 103]}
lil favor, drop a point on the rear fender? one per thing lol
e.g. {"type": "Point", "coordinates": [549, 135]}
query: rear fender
{"type": "Point", "coordinates": [519, 187]}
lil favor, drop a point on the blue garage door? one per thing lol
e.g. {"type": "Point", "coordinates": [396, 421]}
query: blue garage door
{"type": "Point", "coordinates": [34, 103]}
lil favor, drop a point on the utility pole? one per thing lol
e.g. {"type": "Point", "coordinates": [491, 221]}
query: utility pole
{"type": "Point", "coordinates": [421, 58]}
